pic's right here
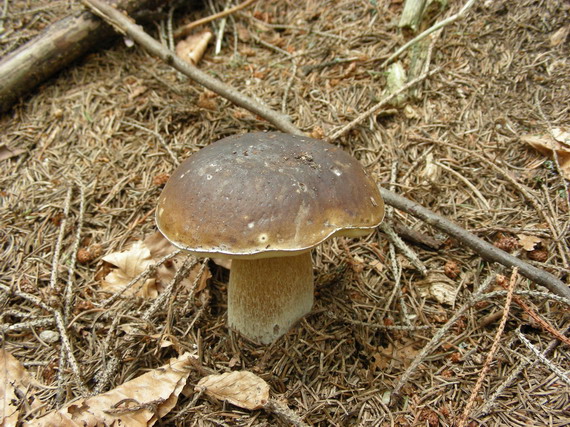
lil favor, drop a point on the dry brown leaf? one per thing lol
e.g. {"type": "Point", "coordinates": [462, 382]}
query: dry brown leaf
{"type": "Point", "coordinates": [130, 264]}
{"type": "Point", "coordinates": [139, 402]}
{"type": "Point", "coordinates": [439, 288]}
{"type": "Point", "coordinates": [15, 382]}
{"type": "Point", "coordinates": [432, 171]}
{"type": "Point", "coordinates": [528, 243]}
{"type": "Point", "coordinates": [240, 388]}
{"type": "Point", "coordinates": [139, 257]}
{"type": "Point", "coordinates": [547, 144]}
{"type": "Point", "coordinates": [193, 47]}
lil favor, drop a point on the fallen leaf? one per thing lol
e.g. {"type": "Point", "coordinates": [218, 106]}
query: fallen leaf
{"type": "Point", "coordinates": [130, 264]}
{"type": "Point", "coordinates": [528, 243]}
{"type": "Point", "coordinates": [193, 47]}
{"type": "Point", "coordinates": [558, 142]}
{"type": "Point", "coordinates": [15, 383]}
{"type": "Point", "coordinates": [7, 152]}
{"type": "Point", "coordinates": [139, 402]}
{"type": "Point", "coordinates": [439, 288]}
{"type": "Point", "coordinates": [240, 388]}
{"type": "Point", "coordinates": [432, 171]}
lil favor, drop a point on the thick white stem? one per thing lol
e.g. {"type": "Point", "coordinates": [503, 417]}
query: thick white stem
{"type": "Point", "coordinates": [267, 296]}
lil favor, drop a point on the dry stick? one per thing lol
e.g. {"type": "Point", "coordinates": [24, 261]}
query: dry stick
{"type": "Point", "coordinates": [185, 30]}
{"type": "Point", "coordinates": [57, 251]}
{"type": "Point", "coordinates": [379, 105]}
{"type": "Point", "coordinates": [160, 301]}
{"type": "Point", "coordinates": [125, 25]}
{"type": "Point", "coordinates": [435, 341]}
{"type": "Point", "coordinates": [487, 365]}
{"type": "Point", "coordinates": [543, 323]}
{"type": "Point", "coordinates": [484, 249]}
{"type": "Point", "coordinates": [490, 402]}
{"type": "Point", "coordinates": [58, 318]}
{"type": "Point", "coordinates": [427, 32]}
{"type": "Point", "coordinates": [563, 376]}
{"type": "Point", "coordinates": [68, 292]}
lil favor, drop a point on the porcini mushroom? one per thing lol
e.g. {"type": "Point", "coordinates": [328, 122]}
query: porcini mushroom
{"type": "Point", "coordinates": [265, 200]}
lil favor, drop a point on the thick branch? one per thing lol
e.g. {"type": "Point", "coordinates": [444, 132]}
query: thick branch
{"type": "Point", "coordinates": [484, 249]}
{"type": "Point", "coordinates": [59, 45]}
{"type": "Point", "coordinates": [135, 32]}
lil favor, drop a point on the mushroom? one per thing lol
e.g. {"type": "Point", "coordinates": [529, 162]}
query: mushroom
{"type": "Point", "coordinates": [265, 200]}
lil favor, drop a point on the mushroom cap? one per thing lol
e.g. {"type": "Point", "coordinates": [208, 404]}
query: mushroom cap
{"type": "Point", "coordinates": [266, 194]}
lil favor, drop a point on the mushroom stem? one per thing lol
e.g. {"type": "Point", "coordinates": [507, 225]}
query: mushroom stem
{"type": "Point", "coordinates": [267, 296]}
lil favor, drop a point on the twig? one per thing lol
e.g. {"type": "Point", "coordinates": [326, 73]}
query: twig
{"type": "Point", "coordinates": [379, 105]}
{"type": "Point", "coordinates": [57, 251]}
{"type": "Point", "coordinates": [151, 269]}
{"type": "Point", "coordinates": [490, 402]}
{"type": "Point", "coordinates": [487, 365]}
{"type": "Point", "coordinates": [484, 249]}
{"type": "Point", "coordinates": [563, 376]}
{"type": "Point", "coordinates": [543, 323]}
{"type": "Point", "coordinates": [467, 183]}
{"type": "Point", "coordinates": [181, 272]}
{"type": "Point", "coordinates": [185, 30]}
{"type": "Point", "coordinates": [22, 326]}
{"type": "Point", "coordinates": [285, 413]}
{"type": "Point", "coordinates": [427, 32]}
{"type": "Point", "coordinates": [125, 25]}
{"type": "Point", "coordinates": [435, 341]}
{"type": "Point", "coordinates": [396, 241]}
{"type": "Point", "coordinates": [58, 317]}
{"type": "Point", "coordinates": [68, 292]}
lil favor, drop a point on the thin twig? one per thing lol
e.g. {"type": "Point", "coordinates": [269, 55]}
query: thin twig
{"type": "Point", "coordinates": [484, 249]}
{"type": "Point", "coordinates": [490, 402]}
{"type": "Point", "coordinates": [543, 323]}
{"type": "Point", "coordinates": [563, 376]}
{"type": "Point", "coordinates": [185, 30]}
{"type": "Point", "coordinates": [427, 32]}
{"type": "Point", "coordinates": [125, 25]}
{"type": "Point", "coordinates": [57, 251]}
{"type": "Point", "coordinates": [379, 105]}
{"type": "Point", "coordinates": [435, 341]}
{"type": "Point", "coordinates": [487, 365]}
{"type": "Point", "coordinates": [396, 241]}
{"type": "Point", "coordinates": [160, 301]}
{"type": "Point", "coordinates": [68, 292]}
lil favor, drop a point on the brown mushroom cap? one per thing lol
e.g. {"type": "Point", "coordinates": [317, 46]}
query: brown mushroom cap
{"type": "Point", "coordinates": [266, 194]}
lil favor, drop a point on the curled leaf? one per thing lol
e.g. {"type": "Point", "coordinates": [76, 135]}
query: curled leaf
{"type": "Point", "coordinates": [139, 402]}
{"type": "Point", "coordinates": [193, 47]}
{"type": "Point", "coordinates": [240, 388]}
{"type": "Point", "coordinates": [558, 142]}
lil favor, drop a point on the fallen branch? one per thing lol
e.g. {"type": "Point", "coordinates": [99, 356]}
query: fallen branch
{"type": "Point", "coordinates": [127, 26]}
{"type": "Point", "coordinates": [58, 46]}
{"type": "Point", "coordinates": [484, 249]}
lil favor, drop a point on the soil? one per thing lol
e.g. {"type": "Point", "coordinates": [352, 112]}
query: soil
{"type": "Point", "coordinates": [84, 159]}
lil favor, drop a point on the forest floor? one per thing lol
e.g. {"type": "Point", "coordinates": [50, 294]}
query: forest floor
{"type": "Point", "coordinates": [84, 159]}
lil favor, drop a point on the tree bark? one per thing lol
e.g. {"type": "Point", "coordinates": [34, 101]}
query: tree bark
{"type": "Point", "coordinates": [55, 48]}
